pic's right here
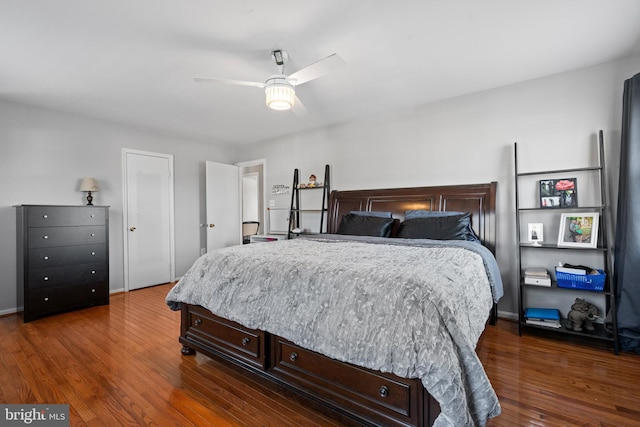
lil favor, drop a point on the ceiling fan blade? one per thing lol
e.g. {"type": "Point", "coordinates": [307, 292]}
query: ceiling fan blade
{"type": "Point", "coordinates": [227, 81]}
{"type": "Point", "coordinates": [317, 69]}
{"type": "Point", "coordinates": [298, 108]}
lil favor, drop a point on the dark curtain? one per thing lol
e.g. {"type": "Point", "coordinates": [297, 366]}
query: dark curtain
{"type": "Point", "coordinates": [627, 245]}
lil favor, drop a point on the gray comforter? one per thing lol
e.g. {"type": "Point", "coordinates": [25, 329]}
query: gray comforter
{"type": "Point", "coordinates": [412, 307]}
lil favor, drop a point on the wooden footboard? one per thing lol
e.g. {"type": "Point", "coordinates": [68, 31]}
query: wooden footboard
{"type": "Point", "coordinates": [361, 395]}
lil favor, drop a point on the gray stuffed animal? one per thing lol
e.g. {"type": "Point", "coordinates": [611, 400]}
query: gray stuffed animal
{"type": "Point", "coordinates": [581, 313]}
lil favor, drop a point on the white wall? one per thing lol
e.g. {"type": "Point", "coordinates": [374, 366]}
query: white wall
{"type": "Point", "coordinates": [467, 140]}
{"type": "Point", "coordinates": [43, 156]}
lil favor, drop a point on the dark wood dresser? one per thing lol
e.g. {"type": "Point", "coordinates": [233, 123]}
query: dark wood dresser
{"type": "Point", "coordinates": [63, 258]}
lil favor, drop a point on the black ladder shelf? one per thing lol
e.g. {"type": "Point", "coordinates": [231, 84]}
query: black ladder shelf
{"type": "Point", "coordinates": [296, 210]}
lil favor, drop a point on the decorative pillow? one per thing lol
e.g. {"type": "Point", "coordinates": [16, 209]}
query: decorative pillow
{"type": "Point", "coordinates": [361, 225]}
{"type": "Point", "coordinates": [450, 227]}
{"type": "Point", "coordinates": [373, 213]}
{"type": "Point", "coordinates": [421, 213]}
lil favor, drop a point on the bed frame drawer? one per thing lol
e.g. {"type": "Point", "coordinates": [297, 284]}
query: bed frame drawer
{"type": "Point", "coordinates": [382, 396]}
{"type": "Point", "coordinates": [226, 337]}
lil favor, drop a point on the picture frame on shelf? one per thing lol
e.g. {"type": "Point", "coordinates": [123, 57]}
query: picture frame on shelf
{"type": "Point", "coordinates": [578, 230]}
{"type": "Point", "coordinates": [558, 193]}
{"type": "Point", "coordinates": [535, 233]}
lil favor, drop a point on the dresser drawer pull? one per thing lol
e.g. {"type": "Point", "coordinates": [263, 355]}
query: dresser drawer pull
{"type": "Point", "coordinates": [45, 257]}
{"type": "Point", "coordinates": [245, 341]}
{"type": "Point", "coordinates": [93, 272]}
{"type": "Point", "coordinates": [45, 216]}
{"type": "Point", "coordinates": [197, 322]}
{"type": "Point", "coordinates": [93, 216]}
{"type": "Point", "coordinates": [45, 237]}
{"type": "Point", "coordinates": [384, 391]}
{"type": "Point", "coordinates": [45, 278]}
{"type": "Point", "coordinates": [93, 253]}
{"type": "Point", "coordinates": [45, 299]}
{"type": "Point", "coordinates": [93, 291]}
{"type": "Point", "coordinates": [293, 356]}
{"type": "Point", "coordinates": [93, 234]}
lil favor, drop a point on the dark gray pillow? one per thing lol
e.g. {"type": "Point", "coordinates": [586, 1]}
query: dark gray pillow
{"type": "Point", "coordinates": [451, 227]}
{"type": "Point", "coordinates": [361, 225]}
{"type": "Point", "coordinates": [373, 213]}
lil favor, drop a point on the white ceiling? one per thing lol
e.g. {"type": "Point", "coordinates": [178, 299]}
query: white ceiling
{"type": "Point", "coordinates": [132, 61]}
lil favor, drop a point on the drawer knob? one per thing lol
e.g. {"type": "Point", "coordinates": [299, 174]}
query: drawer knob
{"type": "Point", "coordinates": [45, 237]}
{"type": "Point", "coordinates": [93, 291]}
{"type": "Point", "coordinates": [45, 216]}
{"type": "Point", "coordinates": [384, 391]}
{"type": "Point", "coordinates": [93, 272]}
{"type": "Point", "coordinates": [45, 257]}
{"type": "Point", "coordinates": [197, 322]}
{"type": "Point", "coordinates": [93, 234]}
{"type": "Point", "coordinates": [93, 253]}
{"type": "Point", "coordinates": [93, 216]}
{"type": "Point", "coordinates": [245, 341]}
{"type": "Point", "coordinates": [293, 356]}
{"type": "Point", "coordinates": [46, 299]}
{"type": "Point", "coordinates": [45, 278]}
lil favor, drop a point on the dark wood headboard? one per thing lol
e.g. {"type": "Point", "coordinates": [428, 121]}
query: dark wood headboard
{"type": "Point", "coordinates": [479, 199]}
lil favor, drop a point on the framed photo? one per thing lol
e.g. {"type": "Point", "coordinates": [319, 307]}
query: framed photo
{"type": "Point", "coordinates": [559, 193]}
{"type": "Point", "coordinates": [579, 230]}
{"type": "Point", "coordinates": [535, 233]}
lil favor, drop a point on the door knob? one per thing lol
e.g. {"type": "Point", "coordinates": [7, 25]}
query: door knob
{"type": "Point", "coordinates": [132, 229]}
{"type": "Point", "coordinates": [211, 225]}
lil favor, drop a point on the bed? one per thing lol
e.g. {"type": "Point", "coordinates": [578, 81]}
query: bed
{"type": "Point", "coordinates": [369, 327]}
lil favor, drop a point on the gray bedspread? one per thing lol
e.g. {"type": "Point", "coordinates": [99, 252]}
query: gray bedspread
{"type": "Point", "coordinates": [415, 308]}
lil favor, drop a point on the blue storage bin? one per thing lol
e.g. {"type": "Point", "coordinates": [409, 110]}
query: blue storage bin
{"type": "Point", "coordinates": [590, 282]}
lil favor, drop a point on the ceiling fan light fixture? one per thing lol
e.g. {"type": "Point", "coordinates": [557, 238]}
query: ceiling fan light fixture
{"type": "Point", "coordinates": [280, 94]}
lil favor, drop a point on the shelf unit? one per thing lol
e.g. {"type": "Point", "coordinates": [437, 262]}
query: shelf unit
{"type": "Point", "coordinates": [296, 210]}
{"type": "Point", "coordinates": [548, 254]}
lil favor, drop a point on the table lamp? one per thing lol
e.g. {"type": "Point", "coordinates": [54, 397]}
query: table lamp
{"type": "Point", "coordinates": [89, 185]}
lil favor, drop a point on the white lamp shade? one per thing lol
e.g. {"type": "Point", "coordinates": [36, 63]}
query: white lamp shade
{"type": "Point", "coordinates": [89, 184]}
{"type": "Point", "coordinates": [280, 96]}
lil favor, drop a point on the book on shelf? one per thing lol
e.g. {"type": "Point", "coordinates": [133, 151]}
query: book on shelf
{"type": "Point", "coordinates": [546, 323]}
{"type": "Point", "coordinates": [539, 281]}
{"type": "Point", "coordinates": [537, 276]}
{"type": "Point", "coordinates": [536, 271]}
{"type": "Point", "coordinates": [542, 314]}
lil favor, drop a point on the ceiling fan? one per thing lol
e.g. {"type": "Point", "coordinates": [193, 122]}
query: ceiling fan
{"type": "Point", "coordinates": [280, 88]}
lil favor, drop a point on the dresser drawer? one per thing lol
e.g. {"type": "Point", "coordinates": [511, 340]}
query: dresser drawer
{"type": "Point", "coordinates": [68, 275]}
{"type": "Point", "coordinates": [47, 237]}
{"type": "Point", "coordinates": [226, 337]}
{"type": "Point", "coordinates": [48, 216]}
{"type": "Point", "coordinates": [46, 301]}
{"type": "Point", "coordinates": [66, 255]}
{"type": "Point", "coordinates": [374, 393]}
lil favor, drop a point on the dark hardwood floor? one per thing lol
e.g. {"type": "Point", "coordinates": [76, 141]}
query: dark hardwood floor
{"type": "Point", "coordinates": [121, 365]}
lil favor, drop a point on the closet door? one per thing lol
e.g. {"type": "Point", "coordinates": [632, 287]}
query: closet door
{"type": "Point", "coordinates": [148, 219]}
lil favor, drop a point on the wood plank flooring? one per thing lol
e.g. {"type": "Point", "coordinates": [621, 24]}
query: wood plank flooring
{"type": "Point", "coordinates": [121, 365]}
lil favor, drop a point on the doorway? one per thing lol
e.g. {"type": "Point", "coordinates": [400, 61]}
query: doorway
{"type": "Point", "coordinates": [148, 223]}
{"type": "Point", "coordinates": [253, 192]}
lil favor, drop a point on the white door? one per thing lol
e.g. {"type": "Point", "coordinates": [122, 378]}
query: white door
{"type": "Point", "coordinates": [223, 206]}
{"type": "Point", "coordinates": [148, 218]}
